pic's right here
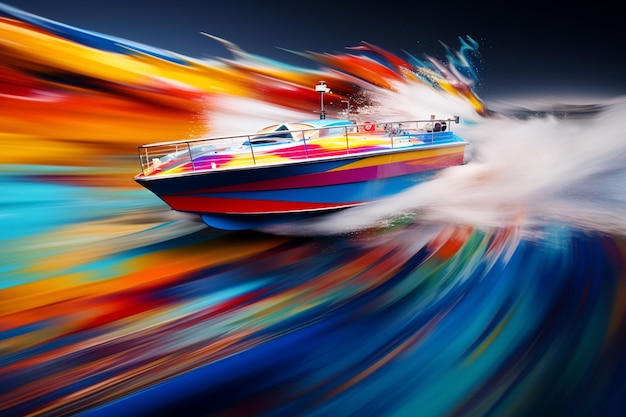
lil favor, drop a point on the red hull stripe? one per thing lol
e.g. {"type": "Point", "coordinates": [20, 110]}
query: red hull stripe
{"type": "Point", "coordinates": [243, 206]}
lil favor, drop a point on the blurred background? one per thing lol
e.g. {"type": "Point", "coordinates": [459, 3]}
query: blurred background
{"type": "Point", "coordinates": [495, 289]}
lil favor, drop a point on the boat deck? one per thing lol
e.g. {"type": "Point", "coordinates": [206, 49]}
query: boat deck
{"type": "Point", "coordinates": [292, 146]}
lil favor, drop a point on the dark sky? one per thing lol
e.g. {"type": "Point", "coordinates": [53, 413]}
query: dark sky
{"type": "Point", "coordinates": [527, 48]}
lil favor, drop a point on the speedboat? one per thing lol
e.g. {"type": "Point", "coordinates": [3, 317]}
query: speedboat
{"type": "Point", "coordinates": [291, 171]}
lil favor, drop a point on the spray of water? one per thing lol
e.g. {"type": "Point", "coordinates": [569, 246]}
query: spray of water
{"type": "Point", "coordinates": [236, 115]}
{"type": "Point", "coordinates": [546, 167]}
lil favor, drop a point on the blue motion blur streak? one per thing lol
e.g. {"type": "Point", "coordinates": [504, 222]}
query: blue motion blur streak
{"type": "Point", "coordinates": [535, 332]}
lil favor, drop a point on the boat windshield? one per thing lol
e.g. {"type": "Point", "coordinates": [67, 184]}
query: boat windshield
{"type": "Point", "coordinates": [287, 132]}
{"type": "Point", "coordinates": [293, 131]}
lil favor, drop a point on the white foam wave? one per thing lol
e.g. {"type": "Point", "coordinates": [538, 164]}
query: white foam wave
{"type": "Point", "coordinates": [522, 172]}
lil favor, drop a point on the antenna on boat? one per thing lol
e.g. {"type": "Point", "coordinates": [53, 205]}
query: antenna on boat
{"type": "Point", "coordinates": [322, 88]}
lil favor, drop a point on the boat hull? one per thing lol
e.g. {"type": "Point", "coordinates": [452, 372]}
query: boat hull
{"type": "Point", "coordinates": [263, 195]}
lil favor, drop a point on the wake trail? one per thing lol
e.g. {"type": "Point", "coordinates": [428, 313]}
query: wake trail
{"type": "Point", "coordinates": [526, 172]}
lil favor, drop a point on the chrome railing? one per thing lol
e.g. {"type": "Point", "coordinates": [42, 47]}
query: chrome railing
{"type": "Point", "coordinates": [393, 134]}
